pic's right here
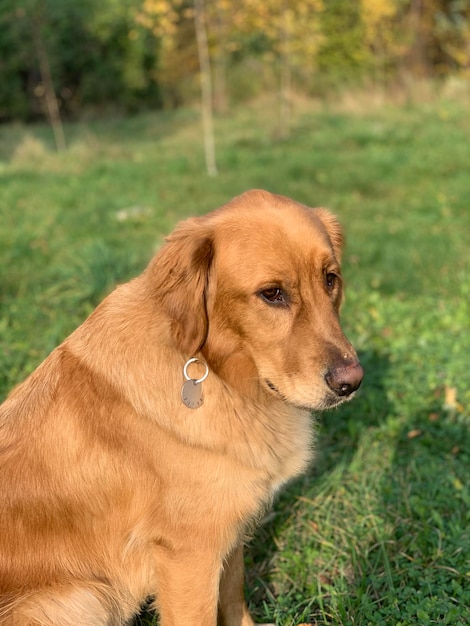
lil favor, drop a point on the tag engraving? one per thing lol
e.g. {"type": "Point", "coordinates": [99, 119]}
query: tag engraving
{"type": "Point", "coordinates": [191, 394]}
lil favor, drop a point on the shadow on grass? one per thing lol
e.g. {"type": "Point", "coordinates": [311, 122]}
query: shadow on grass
{"type": "Point", "coordinates": [422, 575]}
{"type": "Point", "coordinates": [339, 432]}
{"type": "Point", "coordinates": [413, 568]}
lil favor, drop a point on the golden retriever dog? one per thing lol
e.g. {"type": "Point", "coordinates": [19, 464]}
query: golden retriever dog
{"type": "Point", "coordinates": [135, 458]}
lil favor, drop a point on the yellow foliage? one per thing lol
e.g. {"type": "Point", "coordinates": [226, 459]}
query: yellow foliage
{"type": "Point", "coordinates": [160, 16]}
{"type": "Point", "coordinates": [292, 27]}
{"type": "Point", "coordinates": [375, 16]}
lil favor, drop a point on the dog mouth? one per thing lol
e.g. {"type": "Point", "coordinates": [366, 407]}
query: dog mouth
{"type": "Point", "coordinates": [284, 398]}
{"type": "Point", "coordinates": [329, 401]}
{"type": "Point", "coordinates": [273, 388]}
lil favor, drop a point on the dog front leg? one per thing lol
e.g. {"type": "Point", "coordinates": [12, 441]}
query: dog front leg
{"type": "Point", "coordinates": [187, 587]}
{"type": "Point", "coordinates": [232, 607]}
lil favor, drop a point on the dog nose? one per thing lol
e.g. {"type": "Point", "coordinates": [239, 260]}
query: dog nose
{"type": "Point", "coordinates": [345, 379]}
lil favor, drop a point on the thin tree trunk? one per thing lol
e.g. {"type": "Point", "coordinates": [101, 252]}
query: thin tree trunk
{"type": "Point", "coordinates": [206, 87]}
{"type": "Point", "coordinates": [220, 60]}
{"type": "Point", "coordinates": [50, 97]}
{"type": "Point", "coordinates": [285, 71]}
{"type": "Point", "coordinates": [417, 53]}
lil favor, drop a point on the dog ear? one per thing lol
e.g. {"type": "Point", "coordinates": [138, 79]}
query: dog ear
{"type": "Point", "coordinates": [179, 274]}
{"type": "Point", "coordinates": [333, 229]}
{"type": "Point", "coordinates": [335, 234]}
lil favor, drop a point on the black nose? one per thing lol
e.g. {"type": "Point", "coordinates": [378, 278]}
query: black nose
{"type": "Point", "coordinates": [345, 379]}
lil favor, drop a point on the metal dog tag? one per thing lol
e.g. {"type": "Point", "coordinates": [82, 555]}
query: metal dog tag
{"type": "Point", "coordinates": [191, 394]}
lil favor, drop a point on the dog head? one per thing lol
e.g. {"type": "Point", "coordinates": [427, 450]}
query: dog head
{"type": "Point", "coordinates": [256, 287]}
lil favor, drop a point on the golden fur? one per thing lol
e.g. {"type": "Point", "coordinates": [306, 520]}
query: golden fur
{"type": "Point", "coordinates": [111, 489]}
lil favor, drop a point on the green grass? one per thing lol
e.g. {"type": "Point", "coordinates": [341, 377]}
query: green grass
{"type": "Point", "coordinates": [378, 532]}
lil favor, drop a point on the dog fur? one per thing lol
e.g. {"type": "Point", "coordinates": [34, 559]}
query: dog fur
{"type": "Point", "coordinates": [111, 489]}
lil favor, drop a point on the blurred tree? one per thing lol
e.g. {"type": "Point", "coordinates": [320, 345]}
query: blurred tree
{"type": "Point", "coordinates": [128, 54]}
{"type": "Point", "coordinates": [206, 85]}
{"type": "Point", "coordinates": [420, 20]}
{"type": "Point", "coordinates": [97, 56]}
{"type": "Point", "coordinates": [343, 56]}
{"type": "Point", "coordinates": [181, 27]}
{"type": "Point", "coordinates": [283, 34]}
{"type": "Point", "coordinates": [36, 12]}
{"type": "Point", "coordinates": [379, 18]}
{"type": "Point", "coordinates": [218, 14]}
{"type": "Point", "coordinates": [117, 60]}
{"type": "Point", "coordinates": [172, 24]}
{"type": "Point", "coordinates": [15, 59]}
{"type": "Point", "coordinates": [438, 41]}
{"type": "Point", "coordinates": [452, 32]}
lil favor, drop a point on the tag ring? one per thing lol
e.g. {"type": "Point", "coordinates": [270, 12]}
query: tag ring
{"type": "Point", "coordinates": [199, 380]}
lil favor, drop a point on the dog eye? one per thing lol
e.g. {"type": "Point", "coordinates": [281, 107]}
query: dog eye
{"type": "Point", "coordinates": [330, 279]}
{"type": "Point", "coordinates": [273, 295]}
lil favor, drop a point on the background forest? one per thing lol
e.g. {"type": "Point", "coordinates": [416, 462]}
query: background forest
{"type": "Point", "coordinates": [127, 55]}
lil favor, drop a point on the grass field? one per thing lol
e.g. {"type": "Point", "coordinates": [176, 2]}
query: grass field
{"type": "Point", "coordinates": [378, 532]}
